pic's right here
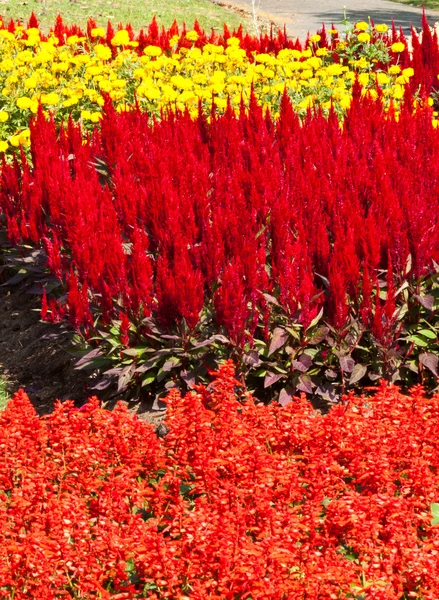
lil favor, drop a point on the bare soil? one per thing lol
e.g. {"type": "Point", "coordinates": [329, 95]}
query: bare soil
{"type": "Point", "coordinates": [34, 356]}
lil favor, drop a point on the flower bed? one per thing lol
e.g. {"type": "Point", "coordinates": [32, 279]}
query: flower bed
{"type": "Point", "coordinates": [161, 69]}
{"type": "Point", "coordinates": [238, 501]}
{"type": "Point", "coordinates": [306, 252]}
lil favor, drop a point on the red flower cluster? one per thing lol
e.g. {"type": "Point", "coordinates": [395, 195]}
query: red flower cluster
{"type": "Point", "coordinates": [219, 214]}
{"type": "Point", "coordinates": [240, 500]}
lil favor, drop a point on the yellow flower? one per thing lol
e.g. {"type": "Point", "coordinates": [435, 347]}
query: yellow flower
{"type": "Point", "coordinates": [95, 117]}
{"type": "Point", "coordinates": [381, 28]}
{"type": "Point", "coordinates": [397, 47]}
{"type": "Point", "coordinates": [332, 31]}
{"type": "Point", "coordinates": [3, 146]}
{"type": "Point", "coordinates": [362, 26]}
{"type": "Point", "coordinates": [382, 78]}
{"type": "Point", "coordinates": [409, 72]}
{"type": "Point", "coordinates": [4, 116]}
{"type": "Point", "coordinates": [24, 102]}
{"type": "Point", "coordinates": [20, 139]}
{"type": "Point", "coordinates": [51, 98]}
{"type": "Point", "coordinates": [103, 52]}
{"type": "Point", "coordinates": [394, 69]}
{"type": "Point", "coordinates": [98, 32]}
{"type": "Point", "coordinates": [364, 37]}
{"type": "Point", "coordinates": [315, 38]}
{"type": "Point", "coordinates": [121, 38]}
{"type": "Point", "coordinates": [152, 51]}
{"type": "Point", "coordinates": [363, 78]}
{"type": "Point", "coordinates": [233, 41]}
{"type": "Point", "coordinates": [192, 36]}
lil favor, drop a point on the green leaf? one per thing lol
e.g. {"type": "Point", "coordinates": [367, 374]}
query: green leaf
{"type": "Point", "coordinates": [148, 380]}
{"type": "Point", "coordinates": [358, 372]}
{"type": "Point", "coordinates": [418, 341]}
{"type": "Point", "coordinates": [434, 507]}
{"type": "Point", "coordinates": [279, 339]}
{"type": "Point", "coordinates": [315, 320]}
{"type": "Point", "coordinates": [431, 335]}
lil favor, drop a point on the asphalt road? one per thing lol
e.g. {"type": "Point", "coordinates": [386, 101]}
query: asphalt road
{"type": "Point", "coordinates": [301, 17]}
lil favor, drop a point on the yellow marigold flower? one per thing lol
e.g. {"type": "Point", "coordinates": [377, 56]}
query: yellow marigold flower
{"type": "Point", "coordinates": [397, 47]}
{"type": "Point", "coordinates": [332, 31]}
{"type": "Point", "coordinates": [103, 52]}
{"type": "Point", "coordinates": [363, 78]}
{"type": "Point", "coordinates": [95, 117]}
{"type": "Point", "coordinates": [174, 41]}
{"type": "Point", "coordinates": [315, 38]}
{"type": "Point", "coordinates": [51, 98]}
{"type": "Point", "coordinates": [322, 52]}
{"type": "Point", "coordinates": [394, 69]}
{"type": "Point", "coordinates": [121, 38]}
{"type": "Point", "coordinates": [364, 37]}
{"type": "Point", "coordinates": [381, 28]}
{"type": "Point", "coordinates": [153, 51]}
{"type": "Point", "coordinates": [398, 92]}
{"type": "Point", "coordinates": [3, 146]}
{"type": "Point", "coordinates": [362, 26]}
{"type": "Point", "coordinates": [98, 32]}
{"type": "Point", "coordinates": [32, 40]}
{"type": "Point", "coordinates": [382, 78]}
{"type": "Point", "coordinates": [30, 83]}
{"type": "Point", "coordinates": [233, 41]}
{"type": "Point", "coordinates": [20, 139]}
{"type": "Point", "coordinates": [409, 72]}
{"type": "Point", "coordinates": [85, 114]}
{"type": "Point", "coordinates": [105, 85]}
{"type": "Point", "coordinates": [4, 116]}
{"type": "Point", "coordinates": [24, 102]}
{"type": "Point", "coordinates": [192, 36]}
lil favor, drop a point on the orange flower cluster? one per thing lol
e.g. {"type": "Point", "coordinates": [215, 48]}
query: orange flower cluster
{"type": "Point", "coordinates": [239, 500]}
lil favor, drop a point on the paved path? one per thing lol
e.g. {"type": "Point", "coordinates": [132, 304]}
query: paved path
{"type": "Point", "coordinates": [301, 16]}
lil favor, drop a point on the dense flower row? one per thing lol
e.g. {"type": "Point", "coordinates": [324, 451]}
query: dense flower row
{"type": "Point", "coordinates": [68, 70]}
{"type": "Point", "coordinates": [314, 249]}
{"type": "Point", "coordinates": [240, 500]}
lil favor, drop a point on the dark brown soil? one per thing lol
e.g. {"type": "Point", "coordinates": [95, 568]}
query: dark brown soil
{"type": "Point", "coordinates": [34, 356]}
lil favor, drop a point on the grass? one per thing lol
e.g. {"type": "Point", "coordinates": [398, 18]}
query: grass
{"type": "Point", "coordinates": [138, 12]}
{"type": "Point", "coordinates": [431, 4]}
{"type": "Point", "coordinates": [4, 394]}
